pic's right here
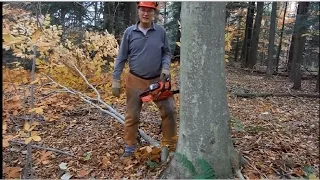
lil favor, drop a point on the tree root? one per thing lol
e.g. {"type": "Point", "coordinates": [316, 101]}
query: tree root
{"type": "Point", "coordinates": [42, 147]}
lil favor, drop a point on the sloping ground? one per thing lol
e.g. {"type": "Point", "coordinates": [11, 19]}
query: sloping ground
{"type": "Point", "coordinates": [278, 136]}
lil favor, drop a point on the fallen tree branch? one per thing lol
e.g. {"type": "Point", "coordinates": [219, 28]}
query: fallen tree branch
{"type": "Point", "coordinates": [284, 74]}
{"type": "Point", "coordinates": [113, 112]}
{"type": "Point", "coordinates": [254, 95]}
{"type": "Point", "coordinates": [98, 94]}
{"type": "Point", "coordinates": [45, 148]}
{"type": "Point", "coordinates": [28, 171]}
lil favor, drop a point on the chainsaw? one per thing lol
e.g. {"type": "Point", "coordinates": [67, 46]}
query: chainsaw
{"type": "Point", "coordinates": [158, 91]}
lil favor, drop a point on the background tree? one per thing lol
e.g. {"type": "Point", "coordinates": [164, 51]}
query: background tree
{"type": "Point", "coordinates": [271, 39]}
{"type": "Point", "coordinates": [248, 33]}
{"type": "Point", "coordinates": [301, 28]}
{"type": "Point", "coordinates": [281, 36]}
{"type": "Point", "coordinates": [255, 36]}
{"type": "Point", "coordinates": [204, 135]}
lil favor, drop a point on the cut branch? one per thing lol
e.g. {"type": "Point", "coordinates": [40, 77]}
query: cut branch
{"type": "Point", "coordinates": [45, 148]}
{"type": "Point", "coordinates": [110, 111]}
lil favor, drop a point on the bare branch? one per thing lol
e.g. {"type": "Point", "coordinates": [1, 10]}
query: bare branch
{"type": "Point", "coordinates": [113, 112]}
{"type": "Point", "coordinates": [45, 148]}
{"type": "Point", "coordinates": [28, 166]}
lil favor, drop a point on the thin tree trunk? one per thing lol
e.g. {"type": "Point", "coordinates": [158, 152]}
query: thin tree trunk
{"type": "Point", "coordinates": [133, 13]}
{"type": "Point", "coordinates": [236, 53]}
{"type": "Point", "coordinates": [252, 60]}
{"type": "Point", "coordinates": [165, 17]}
{"type": "Point", "coordinates": [248, 34]}
{"type": "Point", "coordinates": [291, 51]}
{"type": "Point", "coordinates": [302, 17]}
{"type": "Point", "coordinates": [178, 36]}
{"type": "Point", "coordinates": [204, 134]}
{"type": "Point", "coordinates": [95, 14]}
{"type": "Point", "coordinates": [272, 34]}
{"type": "Point", "coordinates": [281, 34]}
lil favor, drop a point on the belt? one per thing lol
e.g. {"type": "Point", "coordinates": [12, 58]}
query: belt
{"type": "Point", "coordinates": [145, 78]}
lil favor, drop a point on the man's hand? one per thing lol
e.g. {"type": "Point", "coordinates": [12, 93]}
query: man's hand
{"type": "Point", "coordinates": [164, 75]}
{"type": "Point", "coordinates": [116, 88]}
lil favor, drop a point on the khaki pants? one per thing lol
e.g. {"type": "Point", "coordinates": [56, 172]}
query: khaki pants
{"type": "Point", "coordinates": [134, 86]}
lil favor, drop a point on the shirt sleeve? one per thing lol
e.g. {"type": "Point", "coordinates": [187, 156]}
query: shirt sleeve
{"type": "Point", "coordinates": [122, 56]}
{"type": "Point", "coordinates": [166, 54]}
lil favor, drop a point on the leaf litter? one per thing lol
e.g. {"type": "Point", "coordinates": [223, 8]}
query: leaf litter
{"type": "Point", "coordinates": [278, 136]}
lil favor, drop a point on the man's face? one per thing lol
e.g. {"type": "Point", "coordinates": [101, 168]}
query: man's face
{"type": "Point", "coordinates": [146, 14]}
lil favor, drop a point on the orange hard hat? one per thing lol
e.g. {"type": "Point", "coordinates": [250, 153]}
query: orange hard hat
{"type": "Point", "coordinates": [148, 4]}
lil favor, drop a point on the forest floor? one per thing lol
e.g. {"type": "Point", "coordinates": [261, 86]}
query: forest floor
{"type": "Point", "coordinates": [278, 136]}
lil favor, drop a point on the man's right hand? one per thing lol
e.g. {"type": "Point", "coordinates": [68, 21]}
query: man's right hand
{"type": "Point", "coordinates": [116, 88]}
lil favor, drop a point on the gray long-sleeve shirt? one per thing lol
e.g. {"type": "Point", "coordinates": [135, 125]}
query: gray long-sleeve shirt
{"type": "Point", "coordinates": [148, 54]}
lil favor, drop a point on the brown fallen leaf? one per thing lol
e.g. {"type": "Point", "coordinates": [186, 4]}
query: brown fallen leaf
{"type": "Point", "coordinates": [12, 172]}
{"type": "Point", "coordinates": [44, 156]}
{"type": "Point", "coordinates": [105, 161]}
{"type": "Point", "coordinates": [149, 149]}
{"type": "Point", "coordinates": [128, 167]}
{"type": "Point", "coordinates": [82, 173]}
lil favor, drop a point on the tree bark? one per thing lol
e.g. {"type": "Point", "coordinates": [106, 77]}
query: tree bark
{"type": "Point", "coordinates": [281, 34]}
{"type": "Point", "coordinates": [299, 44]}
{"type": "Point", "coordinates": [252, 60]}
{"type": "Point", "coordinates": [108, 16]}
{"type": "Point", "coordinates": [95, 13]}
{"type": "Point", "coordinates": [318, 80]}
{"type": "Point", "coordinates": [204, 132]}
{"type": "Point", "coordinates": [291, 51]}
{"type": "Point", "coordinates": [248, 34]}
{"type": "Point", "coordinates": [131, 13]}
{"type": "Point", "coordinates": [272, 34]}
{"type": "Point", "coordinates": [236, 51]}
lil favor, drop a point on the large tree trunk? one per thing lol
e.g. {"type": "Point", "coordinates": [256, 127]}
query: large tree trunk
{"type": "Point", "coordinates": [204, 131]}
{"type": "Point", "coordinates": [248, 34]}
{"type": "Point", "coordinates": [299, 44]}
{"type": "Point", "coordinates": [255, 36]}
{"type": "Point", "coordinates": [281, 34]}
{"type": "Point", "coordinates": [272, 34]}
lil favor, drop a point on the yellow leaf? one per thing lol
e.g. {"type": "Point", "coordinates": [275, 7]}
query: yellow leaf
{"type": "Point", "coordinates": [5, 143]}
{"type": "Point", "coordinates": [36, 138]}
{"type": "Point", "coordinates": [28, 140]}
{"type": "Point", "coordinates": [312, 176]}
{"type": "Point", "coordinates": [43, 44]}
{"type": "Point", "coordinates": [26, 126]}
{"type": "Point", "coordinates": [7, 37]}
{"type": "Point", "coordinates": [35, 81]}
{"type": "Point", "coordinates": [35, 36]}
{"type": "Point", "coordinates": [37, 110]}
{"type": "Point", "coordinates": [149, 149]}
{"type": "Point", "coordinates": [178, 44]}
{"type": "Point", "coordinates": [34, 133]}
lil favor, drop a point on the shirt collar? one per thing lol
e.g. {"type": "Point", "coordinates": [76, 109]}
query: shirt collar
{"type": "Point", "coordinates": [136, 28]}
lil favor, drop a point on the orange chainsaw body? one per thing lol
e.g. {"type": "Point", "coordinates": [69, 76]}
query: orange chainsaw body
{"type": "Point", "coordinates": [157, 91]}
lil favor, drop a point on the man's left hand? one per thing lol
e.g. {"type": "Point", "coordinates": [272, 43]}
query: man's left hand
{"type": "Point", "coordinates": [165, 74]}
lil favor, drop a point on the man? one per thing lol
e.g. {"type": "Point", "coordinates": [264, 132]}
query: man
{"type": "Point", "coordinates": [145, 44]}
